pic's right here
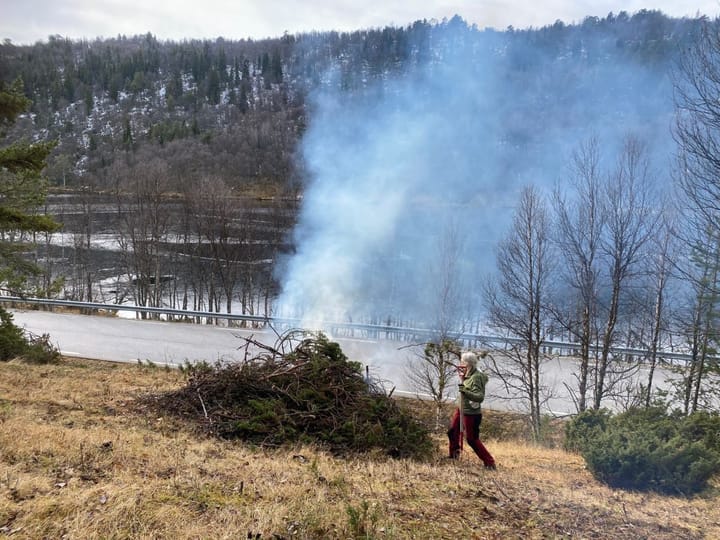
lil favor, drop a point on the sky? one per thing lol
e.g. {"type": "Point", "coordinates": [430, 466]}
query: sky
{"type": "Point", "coordinates": [28, 21]}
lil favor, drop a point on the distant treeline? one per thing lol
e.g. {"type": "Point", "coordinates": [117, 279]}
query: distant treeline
{"type": "Point", "coordinates": [236, 109]}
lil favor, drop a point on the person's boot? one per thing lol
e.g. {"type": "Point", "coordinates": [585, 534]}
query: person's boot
{"type": "Point", "coordinates": [454, 455]}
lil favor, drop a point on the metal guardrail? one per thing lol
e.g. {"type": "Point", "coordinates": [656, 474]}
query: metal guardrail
{"type": "Point", "coordinates": [140, 309]}
{"type": "Point", "coordinates": [332, 325]}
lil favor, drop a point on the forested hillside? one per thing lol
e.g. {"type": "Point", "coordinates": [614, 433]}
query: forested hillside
{"type": "Point", "coordinates": [525, 183]}
{"type": "Point", "coordinates": [237, 109]}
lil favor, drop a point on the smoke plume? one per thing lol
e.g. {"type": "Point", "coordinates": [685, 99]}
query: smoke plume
{"type": "Point", "coordinates": [413, 175]}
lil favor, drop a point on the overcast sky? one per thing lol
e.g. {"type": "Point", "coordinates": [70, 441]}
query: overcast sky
{"type": "Point", "coordinates": [27, 21]}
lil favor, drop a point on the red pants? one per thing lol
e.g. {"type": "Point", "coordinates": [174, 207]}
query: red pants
{"type": "Point", "coordinates": [472, 434]}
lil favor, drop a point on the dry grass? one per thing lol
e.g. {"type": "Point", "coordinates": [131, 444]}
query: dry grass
{"type": "Point", "coordinates": [78, 460]}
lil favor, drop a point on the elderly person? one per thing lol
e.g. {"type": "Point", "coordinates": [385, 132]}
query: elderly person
{"type": "Point", "coordinates": [471, 393]}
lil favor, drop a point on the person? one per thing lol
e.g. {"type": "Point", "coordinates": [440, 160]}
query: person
{"type": "Point", "coordinates": [471, 393]}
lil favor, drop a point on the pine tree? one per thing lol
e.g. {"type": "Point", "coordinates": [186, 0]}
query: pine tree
{"type": "Point", "coordinates": [213, 87]}
{"type": "Point", "coordinates": [22, 189]}
{"type": "Point", "coordinates": [276, 70]}
{"type": "Point", "coordinates": [127, 136]}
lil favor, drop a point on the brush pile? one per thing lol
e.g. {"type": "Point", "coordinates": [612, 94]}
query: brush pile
{"type": "Point", "coordinates": [303, 389]}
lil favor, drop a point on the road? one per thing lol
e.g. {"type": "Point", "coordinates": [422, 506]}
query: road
{"type": "Point", "coordinates": [128, 340]}
{"type": "Point", "coordinates": [163, 343]}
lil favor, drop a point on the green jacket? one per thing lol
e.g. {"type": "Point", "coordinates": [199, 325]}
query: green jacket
{"type": "Point", "coordinates": [472, 391]}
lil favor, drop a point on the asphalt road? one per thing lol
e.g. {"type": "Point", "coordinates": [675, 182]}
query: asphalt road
{"type": "Point", "coordinates": [129, 340]}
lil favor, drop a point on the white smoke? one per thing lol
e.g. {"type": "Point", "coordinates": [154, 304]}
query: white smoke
{"type": "Point", "coordinates": [451, 140]}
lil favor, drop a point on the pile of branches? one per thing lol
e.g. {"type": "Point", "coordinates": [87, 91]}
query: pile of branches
{"type": "Point", "coordinates": [302, 389]}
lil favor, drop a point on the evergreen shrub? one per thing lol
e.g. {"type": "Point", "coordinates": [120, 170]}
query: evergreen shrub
{"type": "Point", "coordinates": [15, 343]}
{"type": "Point", "coordinates": [648, 449]}
{"type": "Point", "coordinates": [585, 428]}
{"type": "Point", "coordinates": [12, 338]}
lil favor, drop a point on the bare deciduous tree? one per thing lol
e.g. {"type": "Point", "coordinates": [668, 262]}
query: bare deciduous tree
{"type": "Point", "coordinates": [701, 332]}
{"type": "Point", "coordinates": [664, 247]}
{"type": "Point", "coordinates": [446, 308]}
{"type": "Point", "coordinates": [630, 221]}
{"type": "Point", "coordinates": [697, 129]}
{"type": "Point", "coordinates": [578, 233]}
{"type": "Point", "coordinates": [218, 221]}
{"type": "Point", "coordinates": [432, 370]}
{"type": "Point", "coordinates": [518, 301]}
{"type": "Point", "coordinates": [141, 198]}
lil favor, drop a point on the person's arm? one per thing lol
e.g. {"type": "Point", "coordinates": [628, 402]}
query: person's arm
{"type": "Point", "coordinates": [473, 388]}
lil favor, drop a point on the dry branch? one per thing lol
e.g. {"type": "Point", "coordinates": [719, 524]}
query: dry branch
{"type": "Point", "coordinates": [302, 388]}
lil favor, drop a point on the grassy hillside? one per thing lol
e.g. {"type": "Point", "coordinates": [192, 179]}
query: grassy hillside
{"type": "Point", "coordinates": [80, 458]}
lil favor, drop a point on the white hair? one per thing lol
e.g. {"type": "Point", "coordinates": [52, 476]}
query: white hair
{"type": "Point", "coordinates": [469, 359]}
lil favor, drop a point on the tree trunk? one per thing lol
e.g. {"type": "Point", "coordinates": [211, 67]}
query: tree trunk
{"type": "Point", "coordinates": [607, 343]}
